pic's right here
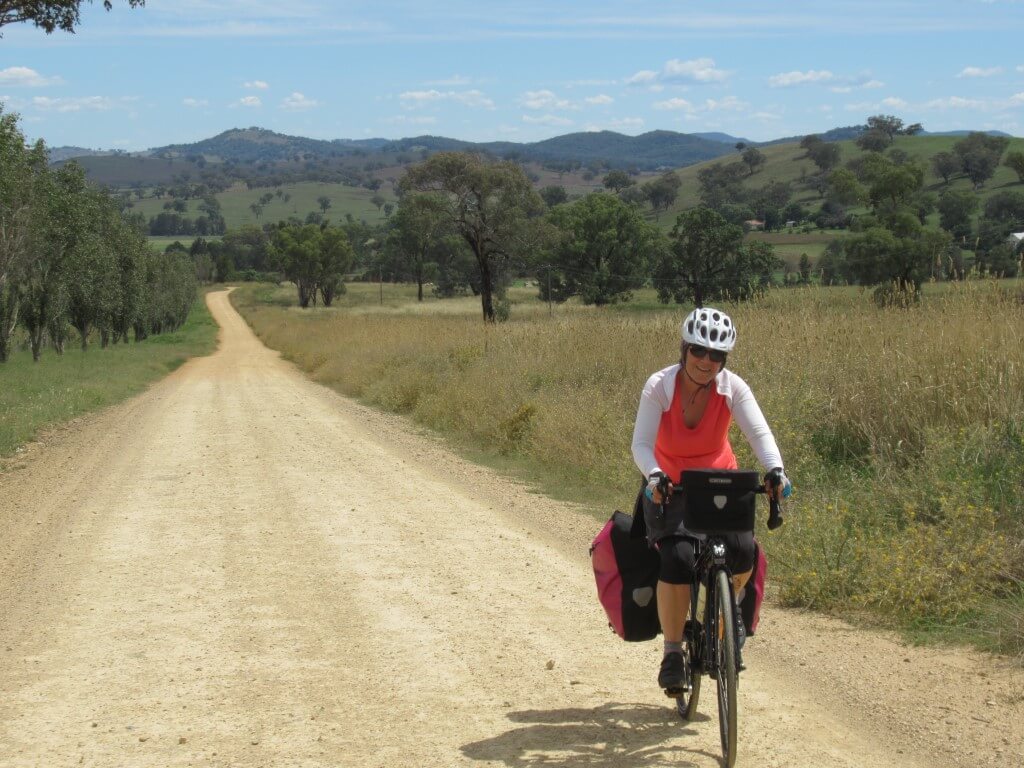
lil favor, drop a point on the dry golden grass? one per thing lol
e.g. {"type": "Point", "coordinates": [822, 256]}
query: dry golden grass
{"type": "Point", "coordinates": [903, 429]}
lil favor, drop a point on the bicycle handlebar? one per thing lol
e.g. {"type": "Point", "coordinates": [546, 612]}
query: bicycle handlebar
{"type": "Point", "coordinates": [775, 518]}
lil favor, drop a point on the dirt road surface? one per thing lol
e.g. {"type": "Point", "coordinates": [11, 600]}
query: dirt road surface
{"type": "Point", "coordinates": [242, 568]}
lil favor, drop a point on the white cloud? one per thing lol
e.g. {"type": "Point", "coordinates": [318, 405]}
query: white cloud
{"type": "Point", "coordinates": [1017, 99]}
{"type": "Point", "coordinates": [787, 79]}
{"type": "Point", "coordinates": [299, 101]}
{"type": "Point", "coordinates": [258, 85]}
{"type": "Point", "coordinates": [195, 102]}
{"type": "Point", "coordinates": [873, 84]}
{"type": "Point", "coordinates": [543, 100]}
{"type": "Point", "coordinates": [677, 71]}
{"type": "Point", "coordinates": [75, 104]}
{"type": "Point", "coordinates": [554, 120]}
{"type": "Point", "coordinates": [600, 99]}
{"type": "Point", "coordinates": [248, 101]}
{"type": "Point", "coordinates": [955, 102]}
{"type": "Point", "coordinates": [23, 77]}
{"type": "Point", "coordinates": [673, 104]}
{"type": "Point", "coordinates": [415, 99]}
{"type": "Point", "coordinates": [767, 116]}
{"type": "Point", "coordinates": [643, 77]}
{"type": "Point", "coordinates": [980, 71]}
{"type": "Point", "coordinates": [1020, 68]}
{"type": "Point", "coordinates": [728, 104]}
{"type": "Point", "coordinates": [893, 102]}
{"type": "Point", "coordinates": [694, 70]}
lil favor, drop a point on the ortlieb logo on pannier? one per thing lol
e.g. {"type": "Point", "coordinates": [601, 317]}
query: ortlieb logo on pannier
{"type": "Point", "coordinates": [626, 571]}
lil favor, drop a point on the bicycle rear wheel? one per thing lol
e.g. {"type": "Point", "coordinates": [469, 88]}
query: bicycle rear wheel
{"type": "Point", "coordinates": [725, 662]}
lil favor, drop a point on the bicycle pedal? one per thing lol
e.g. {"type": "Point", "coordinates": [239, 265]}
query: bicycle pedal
{"type": "Point", "coordinates": [676, 693]}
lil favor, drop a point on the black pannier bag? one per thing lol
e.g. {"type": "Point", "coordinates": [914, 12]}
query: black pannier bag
{"type": "Point", "coordinates": [719, 500]}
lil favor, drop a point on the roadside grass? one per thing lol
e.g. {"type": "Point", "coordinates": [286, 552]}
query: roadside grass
{"type": "Point", "coordinates": [901, 428]}
{"type": "Point", "coordinates": [34, 396]}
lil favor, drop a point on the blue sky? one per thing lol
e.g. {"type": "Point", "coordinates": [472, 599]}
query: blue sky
{"type": "Point", "coordinates": [180, 71]}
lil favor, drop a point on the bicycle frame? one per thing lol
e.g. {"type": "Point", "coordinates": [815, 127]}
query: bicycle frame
{"type": "Point", "coordinates": [710, 560]}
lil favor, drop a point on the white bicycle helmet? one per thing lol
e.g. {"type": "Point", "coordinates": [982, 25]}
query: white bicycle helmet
{"type": "Point", "coordinates": [711, 328]}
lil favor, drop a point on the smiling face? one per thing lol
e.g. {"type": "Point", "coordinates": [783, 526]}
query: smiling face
{"type": "Point", "coordinates": [700, 370]}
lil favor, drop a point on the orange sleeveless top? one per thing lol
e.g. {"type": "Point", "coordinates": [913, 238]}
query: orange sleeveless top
{"type": "Point", "coordinates": [706, 446]}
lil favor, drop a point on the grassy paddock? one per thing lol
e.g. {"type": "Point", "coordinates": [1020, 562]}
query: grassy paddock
{"type": "Point", "coordinates": [58, 388]}
{"type": "Point", "coordinates": [903, 430]}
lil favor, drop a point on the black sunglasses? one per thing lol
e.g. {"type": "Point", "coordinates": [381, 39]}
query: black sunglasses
{"type": "Point", "coordinates": [701, 352]}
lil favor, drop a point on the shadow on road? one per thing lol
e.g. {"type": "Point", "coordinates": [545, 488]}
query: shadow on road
{"type": "Point", "coordinates": [609, 735]}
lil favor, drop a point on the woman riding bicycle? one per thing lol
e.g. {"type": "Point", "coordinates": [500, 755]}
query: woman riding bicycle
{"type": "Point", "coordinates": [683, 423]}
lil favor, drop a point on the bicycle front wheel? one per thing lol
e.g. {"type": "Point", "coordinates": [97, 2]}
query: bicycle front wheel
{"type": "Point", "coordinates": [725, 662]}
{"type": "Point", "coordinates": [694, 640]}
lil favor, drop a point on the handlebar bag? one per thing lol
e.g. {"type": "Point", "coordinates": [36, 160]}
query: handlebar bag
{"type": "Point", "coordinates": [719, 500]}
{"type": "Point", "coordinates": [626, 572]}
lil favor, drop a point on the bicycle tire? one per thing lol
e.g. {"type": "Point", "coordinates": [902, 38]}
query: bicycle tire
{"type": "Point", "coordinates": [687, 706]}
{"type": "Point", "coordinates": [725, 662]}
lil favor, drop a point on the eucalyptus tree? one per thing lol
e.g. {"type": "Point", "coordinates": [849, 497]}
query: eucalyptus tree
{"type": "Point", "coordinates": [19, 187]}
{"type": "Point", "coordinates": [60, 229]}
{"type": "Point", "coordinates": [603, 252]}
{"type": "Point", "coordinates": [64, 15]}
{"type": "Point", "coordinates": [489, 205]}
{"type": "Point", "coordinates": [419, 228]}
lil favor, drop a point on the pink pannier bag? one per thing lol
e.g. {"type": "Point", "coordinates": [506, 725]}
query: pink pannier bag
{"type": "Point", "coordinates": [626, 572]}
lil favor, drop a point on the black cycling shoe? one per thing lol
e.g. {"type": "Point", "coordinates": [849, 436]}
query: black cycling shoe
{"type": "Point", "coordinates": [674, 676]}
{"type": "Point", "coordinates": [741, 639]}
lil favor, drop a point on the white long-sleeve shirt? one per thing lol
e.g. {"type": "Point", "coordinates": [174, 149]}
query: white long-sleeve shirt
{"type": "Point", "coordinates": [657, 398]}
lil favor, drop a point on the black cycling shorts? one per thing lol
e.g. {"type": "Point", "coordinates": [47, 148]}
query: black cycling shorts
{"type": "Point", "coordinates": [678, 559]}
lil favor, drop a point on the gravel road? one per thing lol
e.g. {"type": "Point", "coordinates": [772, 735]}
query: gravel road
{"type": "Point", "coordinates": [213, 574]}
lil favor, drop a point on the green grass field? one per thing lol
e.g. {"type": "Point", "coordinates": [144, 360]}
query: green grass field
{"type": "Point", "coordinates": [785, 162]}
{"type": "Point", "coordinates": [34, 396]}
{"type": "Point", "coordinates": [236, 201]}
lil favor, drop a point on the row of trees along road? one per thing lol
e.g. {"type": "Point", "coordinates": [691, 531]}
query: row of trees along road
{"type": "Point", "coordinates": [68, 260]}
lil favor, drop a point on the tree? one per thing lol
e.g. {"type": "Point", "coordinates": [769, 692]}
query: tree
{"type": "Point", "coordinates": [256, 209]}
{"type": "Point", "coordinates": [19, 187]}
{"type": "Point", "coordinates": [808, 142]}
{"type": "Point", "coordinates": [825, 155]}
{"type": "Point", "coordinates": [979, 155]}
{"type": "Point", "coordinates": [617, 181]}
{"type": "Point", "coordinates": [707, 260]}
{"type": "Point", "coordinates": [554, 195]}
{"type": "Point", "coordinates": [489, 205]}
{"type": "Point", "coordinates": [720, 184]}
{"type": "Point", "coordinates": [602, 253]}
{"type": "Point", "coordinates": [956, 209]}
{"type": "Point", "coordinates": [754, 159]}
{"type": "Point", "coordinates": [297, 249]}
{"type": "Point", "coordinates": [59, 231]}
{"type": "Point", "coordinates": [874, 140]}
{"type": "Point", "coordinates": [845, 189]}
{"type": "Point", "coordinates": [889, 125]}
{"type": "Point", "coordinates": [880, 256]}
{"type": "Point", "coordinates": [324, 202]}
{"type": "Point", "coordinates": [336, 257]}
{"type": "Point", "coordinates": [378, 200]}
{"type": "Point", "coordinates": [945, 164]}
{"type": "Point", "coordinates": [49, 16]}
{"type": "Point", "coordinates": [419, 229]}
{"type": "Point", "coordinates": [740, 146]}
{"type": "Point", "coordinates": [1015, 161]}
{"type": "Point", "coordinates": [662, 192]}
